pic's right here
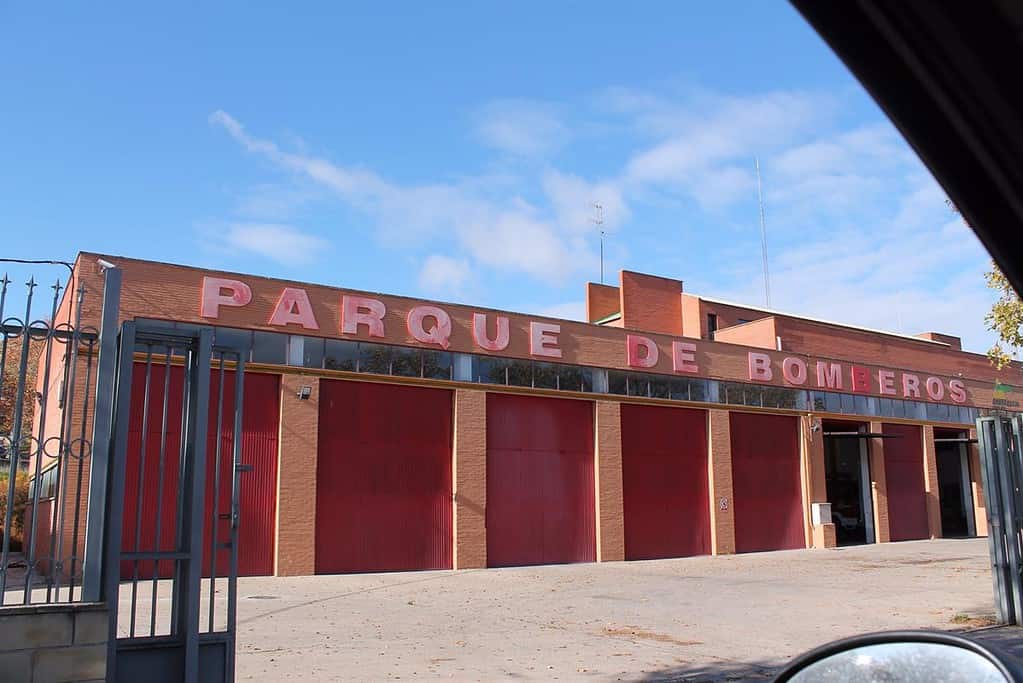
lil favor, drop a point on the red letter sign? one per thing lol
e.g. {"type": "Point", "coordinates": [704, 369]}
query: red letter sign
{"type": "Point", "coordinates": [362, 310]}
{"type": "Point", "coordinates": [293, 308]}
{"type": "Point", "coordinates": [886, 380]}
{"type": "Point", "coordinates": [910, 386]}
{"type": "Point", "coordinates": [794, 371]}
{"type": "Point", "coordinates": [829, 375]}
{"type": "Point", "coordinates": [543, 339]}
{"type": "Point", "coordinates": [213, 296]}
{"type": "Point", "coordinates": [935, 388]}
{"type": "Point", "coordinates": [860, 379]}
{"type": "Point", "coordinates": [642, 351]}
{"type": "Point", "coordinates": [760, 367]}
{"type": "Point", "coordinates": [957, 391]}
{"type": "Point", "coordinates": [479, 332]}
{"type": "Point", "coordinates": [683, 357]}
{"type": "Point", "coordinates": [439, 334]}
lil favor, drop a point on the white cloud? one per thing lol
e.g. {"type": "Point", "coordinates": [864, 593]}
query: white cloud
{"type": "Point", "coordinates": [917, 269]}
{"type": "Point", "coordinates": [573, 199]}
{"type": "Point", "coordinates": [858, 230]}
{"type": "Point", "coordinates": [507, 234]}
{"type": "Point", "coordinates": [444, 275]}
{"type": "Point", "coordinates": [269, 202]}
{"type": "Point", "coordinates": [569, 310]}
{"type": "Point", "coordinates": [706, 149]}
{"type": "Point", "coordinates": [521, 127]}
{"type": "Point", "coordinates": [281, 243]}
{"type": "Point", "coordinates": [713, 127]}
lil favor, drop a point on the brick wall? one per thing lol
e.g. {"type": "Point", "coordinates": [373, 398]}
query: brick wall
{"type": "Point", "coordinates": [727, 314]}
{"type": "Point", "coordinates": [821, 339]}
{"type": "Point", "coordinates": [470, 479]}
{"type": "Point", "coordinates": [954, 342]}
{"type": "Point", "coordinates": [601, 301]}
{"type": "Point", "coordinates": [761, 334]}
{"type": "Point", "coordinates": [878, 486]}
{"type": "Point", "coordinates": [54, 643]}
{"type": "Point", "coordinates": [651, 303]}
{"type": "Point", "coordinates": [694, 324]}
{"type": "Point", "coordinates": [159, 290]}
{"type": "Point", "coordinates": [608, 481]}
{"type": "Point", "coordinates": [296, 478]}
{"type": "Point", "coordinates": [931, 488]}
{"type": "Point", "coordinates": [719, 471]}
{"type": "Point", "coordinates": [977, 485]}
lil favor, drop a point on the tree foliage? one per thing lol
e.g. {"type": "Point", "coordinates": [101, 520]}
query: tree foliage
{"type": "Point", "coordinates": [1005, 318]}
{"type": "Point", "coordinates": [18, 509]}
{"type": "Point", "coordinates": [8, 390]}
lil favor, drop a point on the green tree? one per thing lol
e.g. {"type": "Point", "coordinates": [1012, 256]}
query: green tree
{"type": "Point", "coordinates": [18, 509]}
{"type": "Point", "coordinates": [1005, 319]}
{"type": "Point", "coordinates": [8, 390]}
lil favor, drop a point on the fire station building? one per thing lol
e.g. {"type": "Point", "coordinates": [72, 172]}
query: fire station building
{"type": "Point", "coordinates": [389, 433]}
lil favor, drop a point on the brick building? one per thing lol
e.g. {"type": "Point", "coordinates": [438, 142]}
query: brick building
{"type": "Point", "coordinates": [390, 433]}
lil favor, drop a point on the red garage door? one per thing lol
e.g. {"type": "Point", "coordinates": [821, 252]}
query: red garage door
{"type": "Point", "coordinates": [539, 481]}
{"type": "Point", "coordinates": [766, 487]}
{"type": "Point", "coordinates": [383, 478]}
{"type": "Point", "coordinates": [664, 481]}
{"type": "Point", "coordinates": [904, 474]}
{"type": "Point", "coordinates": [258, 487]}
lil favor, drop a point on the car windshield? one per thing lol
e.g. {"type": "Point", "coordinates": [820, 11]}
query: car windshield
{"type": "Point", "coordinates": [481, 341]}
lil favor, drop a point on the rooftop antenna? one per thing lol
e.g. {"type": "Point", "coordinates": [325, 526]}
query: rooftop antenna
{"type": "Point", "coordinates": [763, 234]}
{"type": "Point", "coordinates": [598, 220]}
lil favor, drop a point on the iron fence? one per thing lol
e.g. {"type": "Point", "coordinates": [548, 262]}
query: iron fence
{"type": "Point", "coordinates": [48, 388]}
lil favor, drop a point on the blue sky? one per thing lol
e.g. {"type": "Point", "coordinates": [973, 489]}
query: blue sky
{"type": "Point", "coordinates": [454, 151]}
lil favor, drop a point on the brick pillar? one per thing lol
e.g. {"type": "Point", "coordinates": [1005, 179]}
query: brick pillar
{"type": "Point", "coordinates": [820, 535]}
{"type": "Point", "coordinates": [608, 482]}
{"type": "Point", "coordinates": [469, 467]}
{"type": "Point", "coordinates": [296, 478]}
{"type": "Point", "coordinates": [719, 474]}
{"type": "Point", "coordinates": [931, 489]}
{"type": "Point", "coordinates": [977, 486]}
{"type": "Point", "coordinates": [878, 486]}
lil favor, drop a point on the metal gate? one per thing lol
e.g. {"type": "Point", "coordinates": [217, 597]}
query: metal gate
{"type": "Point", "coordinates": [168, 623]}
{"type": "Point", "coordinates": [48, 389]}
{"type": "Point", "coordinates": [1002, 469]}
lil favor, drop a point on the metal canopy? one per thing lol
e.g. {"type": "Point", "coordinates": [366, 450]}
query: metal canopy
{"type": "Point", "coordinates": [861, 435]}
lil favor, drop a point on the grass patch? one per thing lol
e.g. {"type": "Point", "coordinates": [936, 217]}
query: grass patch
{"type": "Point", "coordinates": [973, 620]}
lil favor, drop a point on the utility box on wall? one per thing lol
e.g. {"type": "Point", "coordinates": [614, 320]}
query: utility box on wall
{"type": "Point", "coordinates": [820, 513]}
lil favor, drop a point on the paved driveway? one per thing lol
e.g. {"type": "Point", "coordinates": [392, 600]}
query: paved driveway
{"type": "Point", "coordinates": [708, 618]}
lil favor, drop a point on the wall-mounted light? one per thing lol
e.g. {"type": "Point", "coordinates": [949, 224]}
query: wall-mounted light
{"type": "Point", "coordinates": [304, 392]}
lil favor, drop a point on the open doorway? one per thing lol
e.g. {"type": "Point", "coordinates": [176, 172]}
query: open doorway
{"type": "Point", "coordinates": [954, 483]}
{"type": "Point", "coordinates": [847, 473]}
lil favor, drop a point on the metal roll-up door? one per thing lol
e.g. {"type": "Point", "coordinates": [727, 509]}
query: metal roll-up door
{"type": "Point", "coordinates": [540, 496]}
{"type": "Point", "coordinates": [383, 478]}
{"type": "Point", "coordinates": [664, 482]}
{"type": "Point", "coordinates": [258, 496]}
{"type": "Point", "coordinates": [767, 491]}
{"type": "Point", "coordinates": [904, 477]}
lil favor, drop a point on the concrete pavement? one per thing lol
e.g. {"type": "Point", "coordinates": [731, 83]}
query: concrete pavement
{"type": "Point", "coordinates": [706, 618]}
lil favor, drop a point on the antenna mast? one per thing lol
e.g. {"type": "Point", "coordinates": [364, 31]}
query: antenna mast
{"type": "Point", "coordinates": [763, 234]}
{"type": "Point", "coordinates": [598, 220]}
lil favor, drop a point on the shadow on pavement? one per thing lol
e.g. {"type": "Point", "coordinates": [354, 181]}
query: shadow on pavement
{"type": "Point", "coordinates": [716, 671]}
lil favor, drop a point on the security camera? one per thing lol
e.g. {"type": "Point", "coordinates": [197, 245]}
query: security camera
{"type": "Point", "coordinates": [104, 264]}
